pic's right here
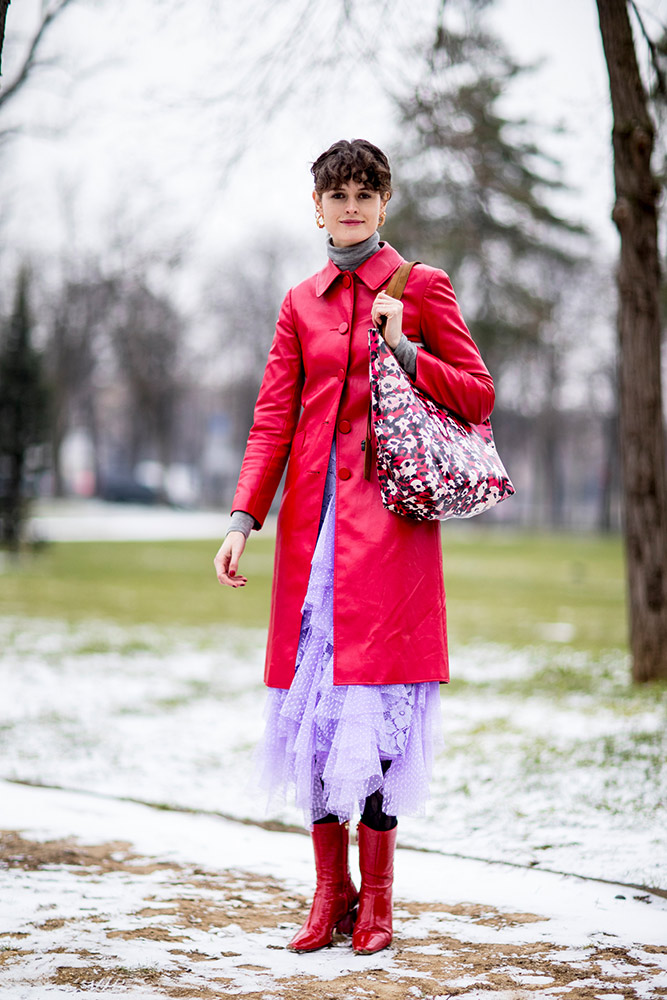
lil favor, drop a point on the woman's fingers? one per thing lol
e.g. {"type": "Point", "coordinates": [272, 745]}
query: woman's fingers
{"type": "Point", "coordinates": [228, 579]}
{"type": "Point", "coordinates": [226, 561]}
{"type": "Point", "coordinates": [385, 305]}
{"type": "Point", "coordinates": [392, 309]}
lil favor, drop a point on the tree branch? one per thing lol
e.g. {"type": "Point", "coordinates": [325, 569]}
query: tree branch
{"type": "Point", "coordinates": [661, 80]}
{"type": "Point", "coordinates": [4, 4]}
{"type": "Point", "coordinates": [30, 59]}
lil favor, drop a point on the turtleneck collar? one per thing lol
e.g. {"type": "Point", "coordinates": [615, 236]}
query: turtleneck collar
{"type": "Point", "coordinates": [349, 258]}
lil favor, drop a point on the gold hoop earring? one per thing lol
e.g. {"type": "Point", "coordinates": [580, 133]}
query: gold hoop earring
{"type": "Point", "coordinates": [319, 219]}
{"type": "Point", "coordinates": [383, 218]}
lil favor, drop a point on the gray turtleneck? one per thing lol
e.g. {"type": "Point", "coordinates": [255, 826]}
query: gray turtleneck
{"type": "Point", "coordinates": [349, 259]}
{"type": "Point", "coordinates": [405, 352]}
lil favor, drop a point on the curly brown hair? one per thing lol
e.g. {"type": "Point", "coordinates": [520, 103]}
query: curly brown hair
{"type": "Point", "coordinates": [358, 160]}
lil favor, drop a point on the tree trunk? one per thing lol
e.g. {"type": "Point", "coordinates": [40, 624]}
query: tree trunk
{"type": "Point", "coordinates": [640, 397]}
{"type": "Point", "coordinates": [57, 437]}
{"type": "Point", "coordinates": [12, 520]}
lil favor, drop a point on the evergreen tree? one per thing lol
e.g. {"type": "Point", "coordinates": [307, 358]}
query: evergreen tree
{"type": "Point", "coordinates": [474, 190]}
{"type": "Point", "coordinates": [23, 412]}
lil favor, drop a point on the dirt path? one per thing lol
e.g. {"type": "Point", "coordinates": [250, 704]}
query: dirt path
{"type": "Point", "coordinates": [101, 918]}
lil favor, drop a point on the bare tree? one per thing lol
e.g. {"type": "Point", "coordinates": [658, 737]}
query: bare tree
{"type": "Point", "coordinates": [31, 57]}
{"type": "Point", "coordinates": [642, 435]}
{"type": "Point", "coordinates": [74, 349]}
{"type": "Point", "coordinates": [147, 334]}
{"type": "Point", "coordinates": [246, 303]}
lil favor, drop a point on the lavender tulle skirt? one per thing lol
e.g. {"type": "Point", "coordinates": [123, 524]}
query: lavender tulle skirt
{"type": "Point", "coordinates": [326, 741]}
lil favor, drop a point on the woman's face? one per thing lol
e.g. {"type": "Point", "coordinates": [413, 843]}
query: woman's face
{"type": "Point", "coordinates": [351, 212]}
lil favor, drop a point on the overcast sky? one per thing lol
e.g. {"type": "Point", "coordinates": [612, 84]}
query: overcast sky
{"type": "Point", "coordinates": [151, 96]}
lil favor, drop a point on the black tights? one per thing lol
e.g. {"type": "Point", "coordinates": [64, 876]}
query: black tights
{"type": "Point", "coordinates": [373, 815]}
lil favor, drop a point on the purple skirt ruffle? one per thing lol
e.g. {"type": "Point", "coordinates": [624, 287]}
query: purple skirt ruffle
{"type": "Point", "coordinates": [327, 741]}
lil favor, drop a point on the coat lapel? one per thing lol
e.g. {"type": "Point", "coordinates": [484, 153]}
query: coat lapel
{"type": "Point", "coordinates": [379, 268]}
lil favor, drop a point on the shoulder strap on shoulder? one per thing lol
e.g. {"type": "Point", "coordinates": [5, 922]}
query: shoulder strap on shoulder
{"type": "Point", "coordinates": [399, 279]}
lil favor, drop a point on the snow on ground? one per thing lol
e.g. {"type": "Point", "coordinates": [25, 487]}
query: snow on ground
{"type": "Point", "coordinates": [96, 520]}
{"type": "Point", "coordinates": [153, 903]}
{"type": "Point", "coordinates": [551, 765]}
{"type": "Point", "coordinates": [104, 895]}
{"type": "Point", "coordinates": [575, 782]}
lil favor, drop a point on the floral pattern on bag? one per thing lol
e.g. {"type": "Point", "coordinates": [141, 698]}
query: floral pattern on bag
{"type": "Point", "coordinates": [431, 463]}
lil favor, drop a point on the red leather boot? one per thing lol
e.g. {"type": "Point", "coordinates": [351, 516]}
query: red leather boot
{"type": "Point", "coordinates": [335, 897]}
{"type": "Point", "coordinates": [373, 928]}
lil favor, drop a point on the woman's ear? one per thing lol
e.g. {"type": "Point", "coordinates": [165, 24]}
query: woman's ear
{"type": "Point", "coordinates": [317, 200]}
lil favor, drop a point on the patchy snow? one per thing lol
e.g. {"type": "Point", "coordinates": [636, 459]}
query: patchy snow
{"type": "Point", "coordinates": [576, 783]}
{"type": "Point", "coordinates": [181, 904]}
{"type": "Point", "coordinates": [101, 521]}
{"type": "Point", "coordinates": [104, 895]}
{"type": "Point", "coordinates": [197, 901]}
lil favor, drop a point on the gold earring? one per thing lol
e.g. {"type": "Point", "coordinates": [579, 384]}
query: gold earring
{"type": "Point", "coordinates": [319, 219]}
{"type": "Point", "coordinates": [383, 218]}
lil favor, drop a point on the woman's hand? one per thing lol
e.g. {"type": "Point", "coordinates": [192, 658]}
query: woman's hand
{"type": "Point", "coordinates": [227, 560]}
{"type": "Point", "coordinates": [392, 309]}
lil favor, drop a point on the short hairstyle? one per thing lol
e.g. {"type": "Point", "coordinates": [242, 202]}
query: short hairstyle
{"type": "Point", "coordinates": [358, 160]}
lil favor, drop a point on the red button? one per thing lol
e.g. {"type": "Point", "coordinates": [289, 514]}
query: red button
{"type": "Point", "coordinates": [343, 328]}
{"type": "Point", "coordinates": [345, 426]}
{"type": "Point", "coordinates": [341, 375]}
{"type": "Point", "coordinates": [344, 473]}
{"type": "Point", "coordinates": [347, 281]}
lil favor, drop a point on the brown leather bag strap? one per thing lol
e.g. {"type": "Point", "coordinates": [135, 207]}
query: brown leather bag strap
{"type": "Point", "coordinates": [395, 288]}
{"type": "Point", "coordinates": [399, 279]}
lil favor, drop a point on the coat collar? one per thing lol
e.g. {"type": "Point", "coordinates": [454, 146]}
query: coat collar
{"type": "Point", "coordinates": [374, 272]}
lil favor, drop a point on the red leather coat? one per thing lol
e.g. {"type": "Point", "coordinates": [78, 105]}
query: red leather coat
{"type": "Point", "coordinates": [389, 596]}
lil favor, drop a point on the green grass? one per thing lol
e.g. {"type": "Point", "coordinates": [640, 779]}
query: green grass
{"type": "Point", "coordinates": [514, 588]}
{"type": "Point", "coordinates": [503, 588]}
{"type": "Point", "coordinates": [137, 582]}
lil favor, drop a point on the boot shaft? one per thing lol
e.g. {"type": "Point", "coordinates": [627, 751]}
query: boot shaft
{"type": "Point", "coordinates": [376, 856]}
{"type": "Point", "coordinates": [331, 850]}
{"type": "Point", "coordinates": [373, 929]}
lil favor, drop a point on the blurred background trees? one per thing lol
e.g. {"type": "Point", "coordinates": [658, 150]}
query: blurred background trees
{"type": "Point", "coordinates": [72, 352]}
{"type": "Point", "coordinates": [473, 193]}
{"type": "Point", "coordinates": [153, 358]}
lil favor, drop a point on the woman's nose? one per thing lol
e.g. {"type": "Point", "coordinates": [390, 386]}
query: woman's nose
{"type": "Point", "coordinates": [351, 205]}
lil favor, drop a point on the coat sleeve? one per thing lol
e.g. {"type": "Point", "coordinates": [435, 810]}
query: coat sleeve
{"type": "Point", "coordinates": [276, 415]}
{"type": "Point", "coordinates": [451, 369]}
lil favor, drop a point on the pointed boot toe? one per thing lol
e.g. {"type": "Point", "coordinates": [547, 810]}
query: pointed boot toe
{"type": "Point", "coordinates": [335, 900]}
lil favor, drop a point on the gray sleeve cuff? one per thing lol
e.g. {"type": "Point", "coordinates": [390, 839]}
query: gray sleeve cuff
{"type": "Point", "coordinates": [240, 521]}
{"type": "Point", "coordinates": [405, 353]}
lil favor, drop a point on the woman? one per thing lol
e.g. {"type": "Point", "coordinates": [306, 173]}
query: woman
{"type": "Point", "coordinates": [357, 640]}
